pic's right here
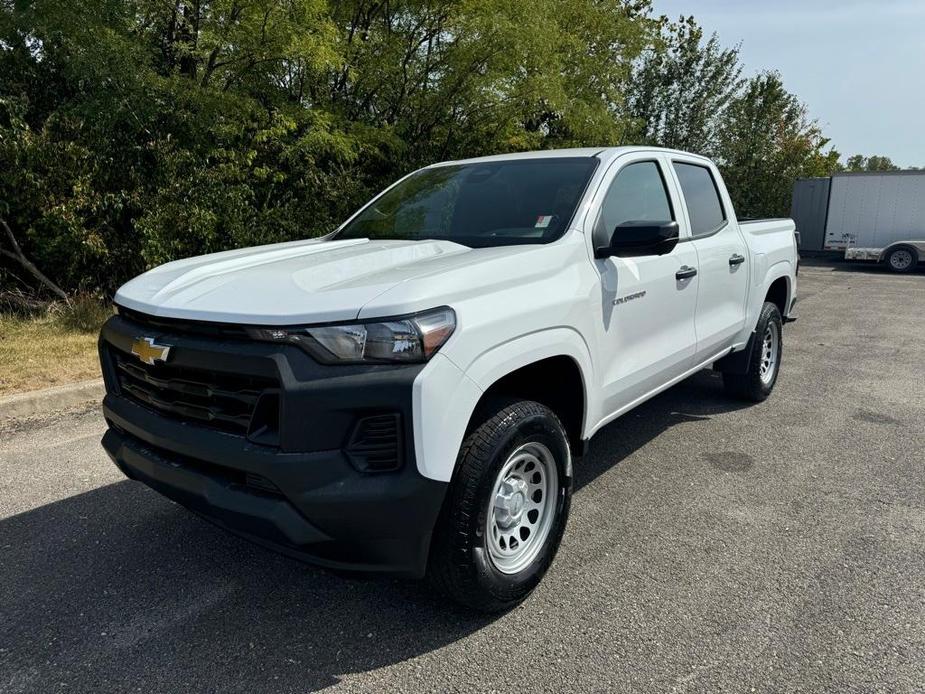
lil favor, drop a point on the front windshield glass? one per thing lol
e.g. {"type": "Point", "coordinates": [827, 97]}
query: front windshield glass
{"type": "Point", "coordinates": [478, 205]}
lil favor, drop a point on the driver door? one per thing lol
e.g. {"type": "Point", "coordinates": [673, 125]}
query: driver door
{"type": "Point", "coordinates": [648, 303]}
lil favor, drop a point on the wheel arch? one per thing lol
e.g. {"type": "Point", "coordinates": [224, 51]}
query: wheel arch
{"type": "Point", "coordinates": [778, 288]}
{"type": "Point", "coordinates": [446, 397]}
{"type": "Point", "coordinates": [555, 382]}
{"type": "Point", "coordinates": [552, 367]}
{"type": "Point", "coordinates": [779, 294]}
{"type": "Point", "coordinates": [917, 248]}
{"type": "Point", "coordinates": [777, 281]}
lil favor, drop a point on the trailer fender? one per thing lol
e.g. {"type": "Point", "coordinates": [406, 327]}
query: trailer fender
{"type": "Point", "coordinates": [918, 246]}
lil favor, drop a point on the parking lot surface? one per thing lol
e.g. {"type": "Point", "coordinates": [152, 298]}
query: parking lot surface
{"type": "Point", "coordinates": [712, 546]}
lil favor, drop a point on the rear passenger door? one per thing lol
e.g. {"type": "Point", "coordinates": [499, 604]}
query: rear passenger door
{"type": "Point", "coordinates": [722, 257]}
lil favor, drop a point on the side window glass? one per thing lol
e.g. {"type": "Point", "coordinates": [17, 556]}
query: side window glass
{"type": "Point", "coordinates": [637, 194]}
{"type": "Point", "coordinates": [702, 198]}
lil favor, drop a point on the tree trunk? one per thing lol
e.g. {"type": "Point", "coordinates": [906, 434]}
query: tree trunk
{"type": "Point", "coordinates": [17, 255]}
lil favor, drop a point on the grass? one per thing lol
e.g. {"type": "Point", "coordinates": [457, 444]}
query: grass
{"type": "Point", "coordinates": [50, 348]}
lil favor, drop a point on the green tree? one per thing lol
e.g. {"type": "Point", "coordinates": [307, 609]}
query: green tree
{"type": "Point", "coordinates": [681, 89]}
{"type": "Point", "coordinates": [456, 78]}
{"type": "Point", "coordinates": [118, 150]}
{"type": "Point", "coordinates": [858, 162]}
{"type": "Point", "coordinates": [767, 142]}
{"type": "Point", "coordinates": [137, 131]}
{"type": "Point", "coordinates": [133, 132]}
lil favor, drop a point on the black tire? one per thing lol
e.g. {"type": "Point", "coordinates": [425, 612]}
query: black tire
{"type": "Point", "coordinates": [752, 385]}
{"type": "Point", "coordinates": [898, 259]}
{"type": "Point", "coordinates": [461, 565]}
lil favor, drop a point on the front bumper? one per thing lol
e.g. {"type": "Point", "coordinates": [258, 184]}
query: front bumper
{"type": "Point", "coordinates": [304, 495]}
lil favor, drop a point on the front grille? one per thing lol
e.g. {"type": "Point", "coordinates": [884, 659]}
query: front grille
{"type": "Point", "coordinates": [179, 326]}
{"type": "Point", "coordinates": [229, 476]}
{"type": "Point", "coordinates": [376, 444]}
{"type": "Point", "coordinates": [216, 399]}
{"type": "Point", "coordinates": [261, 484]}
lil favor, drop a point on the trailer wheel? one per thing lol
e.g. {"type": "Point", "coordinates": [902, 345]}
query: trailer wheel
{"type": "Point", "coordinates": [506, 508]}
{"type": "Point", "coordinates": [902, 259]}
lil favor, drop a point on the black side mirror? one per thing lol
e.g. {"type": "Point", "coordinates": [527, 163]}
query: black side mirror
{"type": "Point", "coordinates": [636, 239]}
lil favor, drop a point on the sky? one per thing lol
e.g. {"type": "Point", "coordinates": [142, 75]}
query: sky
{"type": "Point", "coordinates": [859, 65]}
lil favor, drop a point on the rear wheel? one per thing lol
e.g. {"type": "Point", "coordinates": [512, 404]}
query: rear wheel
{"type": "Point", "coordinates": [760, 375]}
{"type": "Point", "coordinates": [902, 259]}
{"type": "Point", "coordinates": [506, 508]}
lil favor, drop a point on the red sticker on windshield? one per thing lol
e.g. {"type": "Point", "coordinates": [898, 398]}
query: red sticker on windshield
{"type": "Point", "coordinates": [543, 221]}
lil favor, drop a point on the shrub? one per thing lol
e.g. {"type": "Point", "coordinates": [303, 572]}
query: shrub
{"type": "Point", "coordinates": [85, 313]}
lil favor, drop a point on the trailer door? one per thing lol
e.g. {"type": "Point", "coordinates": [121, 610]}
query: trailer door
{"type": "Point", "coordinates": [809, 209]}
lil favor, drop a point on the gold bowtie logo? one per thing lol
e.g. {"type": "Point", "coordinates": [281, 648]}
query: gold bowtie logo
{"type": "Point", "coordinates": [145, 349]}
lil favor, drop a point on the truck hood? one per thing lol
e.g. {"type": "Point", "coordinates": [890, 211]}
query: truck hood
{"type": "Point", "coordinates": [289, 283]}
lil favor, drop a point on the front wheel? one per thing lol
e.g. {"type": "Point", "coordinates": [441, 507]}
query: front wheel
{"type": "Point", "coordinates": [506, 509]}
{"type": "Point", "coordinates": [763, 366]}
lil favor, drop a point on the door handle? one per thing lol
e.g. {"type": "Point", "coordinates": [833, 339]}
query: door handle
{"type": "Point", "coordinates": [736, 259]}
{"type": "Point", "coordinates": [685, 272]}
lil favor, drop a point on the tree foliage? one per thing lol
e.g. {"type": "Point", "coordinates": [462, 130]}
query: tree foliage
{"type": "Point", "coordinates": [682, 87]}
{"type": "Point", "coordinates": [137, 131]}
{"type": "Point", "coordinates": [767, 142]}
{"type": "Point", "coordinates": [133, 132]}
{"type": "Point", "coordinates": [858, 162]}
{"type": "Point", "coordinates": [688, 93]}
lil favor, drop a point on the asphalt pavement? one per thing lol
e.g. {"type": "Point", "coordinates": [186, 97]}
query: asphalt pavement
{"type": "Point", "coordinates": [711, 547]}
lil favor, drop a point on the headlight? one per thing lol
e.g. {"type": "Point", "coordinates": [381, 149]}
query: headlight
{"type": "Point", "coordinates": [410, 339]}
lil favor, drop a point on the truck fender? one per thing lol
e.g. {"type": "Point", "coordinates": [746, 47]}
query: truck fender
{"type": "Point", "coordinates": [764, 278]}
{"type": "Point", "coordinates": [499, 361]}
{"type": "Point", "coordinates": [783, 268]}
{"type": "Point", "coordinates": [441, 421]}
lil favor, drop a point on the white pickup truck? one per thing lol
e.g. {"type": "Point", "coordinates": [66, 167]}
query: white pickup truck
{"type": "Point", "coordinates": [409, 393]}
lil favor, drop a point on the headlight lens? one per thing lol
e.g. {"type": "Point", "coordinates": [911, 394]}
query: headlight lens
{"type": "Point", "coordinates": [412, 339]}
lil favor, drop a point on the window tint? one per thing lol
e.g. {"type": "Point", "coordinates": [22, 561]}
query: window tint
{"type": "Point", "coordinates": [637, 194]}
{"type": "Point", "coordinates": [702, 198]}
{"type": "Point", "coordinates": [482, 204]}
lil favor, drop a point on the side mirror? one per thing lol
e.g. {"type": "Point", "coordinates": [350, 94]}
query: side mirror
{"type": "Point", "coordinates": [636, 239]}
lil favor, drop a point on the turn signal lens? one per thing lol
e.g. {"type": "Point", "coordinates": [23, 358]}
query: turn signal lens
{"type": "Point", "coordinates": [435, 329]}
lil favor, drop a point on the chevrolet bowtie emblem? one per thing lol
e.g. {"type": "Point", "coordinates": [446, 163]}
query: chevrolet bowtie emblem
{"type": "Point", "coordinates": [150, 353]}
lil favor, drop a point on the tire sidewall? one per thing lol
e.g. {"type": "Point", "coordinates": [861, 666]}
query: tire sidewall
{"type": "Point", "coordinates": [541, 428]}
{"type": "Point", "coordinates": [909, 267]}
{"type": "Point", "coordinates": [769, 314]}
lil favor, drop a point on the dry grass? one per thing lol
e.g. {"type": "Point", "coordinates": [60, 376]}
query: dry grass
{"type": "Point", "coordinates": [47, 350]}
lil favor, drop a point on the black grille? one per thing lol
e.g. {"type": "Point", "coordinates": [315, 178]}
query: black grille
{"type": "Point", "coordinates": [216, 399]}
{"type": "Point", "coordinates": [248, 481]}
{"type": "Point", "coordinates": [375, 445]}
{"type": "Point", "coordinates": [178, 326]}
{"type": "Point", "coordinates": [261, 484]}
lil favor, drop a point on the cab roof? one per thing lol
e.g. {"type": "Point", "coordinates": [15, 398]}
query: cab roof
{"type": "Point", "coordinates": [603, 153]}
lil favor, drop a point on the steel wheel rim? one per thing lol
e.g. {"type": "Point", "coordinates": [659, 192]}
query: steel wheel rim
{"type": "Point", "coordinates": [770, 353]}
{"type": "Point", "coordinates": [523, 506]}
{"type": "Point", "coordinates": [901, 259]}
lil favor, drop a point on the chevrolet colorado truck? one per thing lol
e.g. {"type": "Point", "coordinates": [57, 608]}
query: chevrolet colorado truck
{"type": "Point", "coordinates": [408, 393]}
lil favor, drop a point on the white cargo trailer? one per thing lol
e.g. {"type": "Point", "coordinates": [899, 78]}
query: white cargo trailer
{"type": "Point", "coordinates": [870, 216]}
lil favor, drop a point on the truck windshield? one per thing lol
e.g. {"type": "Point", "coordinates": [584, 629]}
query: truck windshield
{"type": "Point", "coordinates": [479, 205]}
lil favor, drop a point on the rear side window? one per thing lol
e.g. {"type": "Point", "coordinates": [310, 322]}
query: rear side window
{"type": "Point", "coordinates": [637, 194]}
{"type": "Point", "coordinates": [702, 198]}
